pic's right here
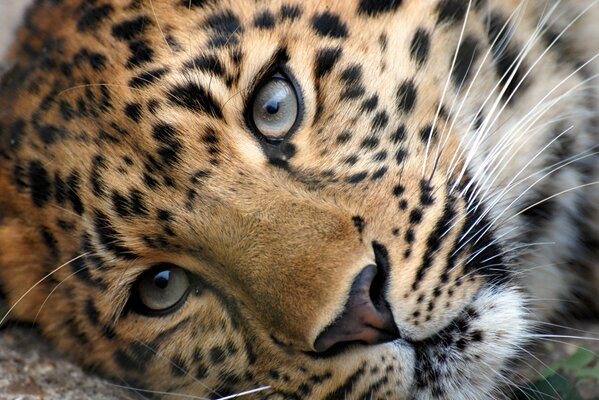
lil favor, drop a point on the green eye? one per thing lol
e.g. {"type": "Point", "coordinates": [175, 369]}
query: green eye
{"type": "Point", "coordinates": [163, 287]}
{"type": "Point", "coordinates": [275, 108]}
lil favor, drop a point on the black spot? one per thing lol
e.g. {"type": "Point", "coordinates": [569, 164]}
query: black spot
{"type": "Point", "coordinates": [132, 28]}
{"type": "Point", "coordinates": [420, 46]}
{"type": "Point", "coordinates": [352, 79]}
{"type": "Point", "coordinates": [505, 55]}
{"type": "Point", "coordinates": [217, 355]}
{"type": "Point", "coordinates": [50, 242]}
{"type": "Point", "coordinates": [137, 203]}
{"type": "Point", "coordinates": [290, 12]}
{"type": "Point", "coordinates": [97, 61]}
{"type": "Point", "coordinates": [67, 112]}
{"type": "Point", "coordinates": [416, 216]}
{"type": "Point", "coordinates": [50, 133]}
{"type": "Point", "coordinates": [410, 236]}
{"type": "Point", "coordinates": [39, 182]}
{"type": "Point", "coordinates": [359, 223]}
{"type": "Point", "coordinates": [426, 193]}
{"type": "Point", "coordinates": [288, 150]}
{"type": "Point", "coordinates": [196, 3]}
{"type": "Point", "coordinates": [207, 63]}
{"type": "Point", "coordinates": [178, 366]}
{"type": "Point", "coordinates": [400, 155]}
{"type": "Point", "coordinates": [357, 178]}
{"type": "Point", "coordinates": [465, 59]}
{"type": "Point", "coordinates": [428, 134]}
{"type": "Point", "coordinates": [344, 137]}
{"type": "Point", "coordinates": [369, 143]}
{"type": "Point", "coordinates": [133, 111]}
{"type": "Point", "coordinates": [398, 190]}
{"type": "Point", "coordinates": [93, 18]}
{"type": "Point", "coordinates": [370, 104]}
{"type": "Point", "coordinates": [92, 312]}
{"type": "Point", "coordinates": [380, 121]}
{"type": "Point", "coordinates": [72, 185]}
{"type": "Point", "coordinates": [379, 173]}
{"type": "Point", "coordinates": [399, 135]}
{"type": "Point", "coordinates": [264, 20]}
{"type": "Point", "coordinates": [141, 53]}
{"type": "Point", "coordinates": [329, 24]}
{"type": "Point", "coordinates": [403, 204]}
{"type": "Point", "coordinates": [451, 11]}
{"type": "Point", "coordinates": [194, 97]}
{"type": "Point", "coordinates": [326, 58]}
{"type": "Point", "coordinates": [95, 178]}
{"type": "Point", "coordinates": [224, 23]}
{"type": "Point", "coordinates": [406, 96]}
{"type": "Point", "coordinates": [60, 189]}
{"type": "Point", "coordinates": [120, 204]}
{"type": "Point", "coordinates": [147, 78]}
{"type": "Point", "coordinates": [352, 74]}
{"type": "Point", "coordinates": [375, 7]}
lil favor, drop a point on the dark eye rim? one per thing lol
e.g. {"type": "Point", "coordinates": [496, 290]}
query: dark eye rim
{"type": "Point", "coordinates": [135, 304]}
{"type": "Point", "coordinates": [285, 74]}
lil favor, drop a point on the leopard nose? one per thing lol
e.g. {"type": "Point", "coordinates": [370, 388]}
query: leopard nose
{"type": "Point", "coordinates": [366, 317]}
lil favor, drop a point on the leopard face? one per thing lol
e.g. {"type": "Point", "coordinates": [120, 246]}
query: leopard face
{"type": "Point", "coordinates": [315, 199]}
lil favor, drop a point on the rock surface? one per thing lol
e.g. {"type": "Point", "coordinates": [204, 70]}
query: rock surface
{"type": "Point", "coordinates": [31, 370]}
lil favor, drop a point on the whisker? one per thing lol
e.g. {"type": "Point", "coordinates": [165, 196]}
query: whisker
{"type": "Point", "coordinates": [49, 274]}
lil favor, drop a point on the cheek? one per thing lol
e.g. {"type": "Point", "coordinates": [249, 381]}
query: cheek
{"type": "Point", "coordinates": [198, 342]}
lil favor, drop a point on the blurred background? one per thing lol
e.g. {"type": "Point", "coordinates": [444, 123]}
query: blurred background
{"type": "Point", "coordinates": [11, 12]}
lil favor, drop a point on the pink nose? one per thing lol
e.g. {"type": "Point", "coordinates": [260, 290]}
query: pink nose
{"type": "Point", "coordinates": [366, 317]}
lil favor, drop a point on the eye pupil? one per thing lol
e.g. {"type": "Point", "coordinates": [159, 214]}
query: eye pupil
{"type": "Point", "coordinates": [162, 279]}
{"type": "Point", "coordinates": [272, 106]}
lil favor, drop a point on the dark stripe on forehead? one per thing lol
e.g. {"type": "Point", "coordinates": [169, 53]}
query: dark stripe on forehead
{"type": "Point", "coordinates": [326, 58]}
{"type": "Point", "coordinates": [195, 98]}
{"type": "Point", "coordinates": [132, 28]}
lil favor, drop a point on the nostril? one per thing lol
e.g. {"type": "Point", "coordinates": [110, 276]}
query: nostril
{"type": "Point", "coordinates": [366, 317]}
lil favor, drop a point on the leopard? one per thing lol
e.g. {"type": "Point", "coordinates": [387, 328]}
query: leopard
{"type": "Point", "coordinates": [316, 199]}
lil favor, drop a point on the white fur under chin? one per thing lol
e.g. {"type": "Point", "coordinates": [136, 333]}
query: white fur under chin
{"type": "Point", "coordinates": [478, 372]}
{"type": "Point", "coordinates": [11, 15]}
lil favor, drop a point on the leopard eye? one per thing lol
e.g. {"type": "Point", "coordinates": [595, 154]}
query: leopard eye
{"type": "Point", "coordinates": [275, 108]}
{"type": "Point", "coordinates": [162, 287]}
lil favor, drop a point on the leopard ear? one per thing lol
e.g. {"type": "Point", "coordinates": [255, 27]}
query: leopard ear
{"type": "Point", "coordinates": [22, 254]}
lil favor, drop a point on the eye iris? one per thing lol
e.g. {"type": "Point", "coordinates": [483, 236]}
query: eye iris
{"type": "Point", "coordinates": [275, 108]}
{"type": "Point", "coordinates": [162, 288]}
